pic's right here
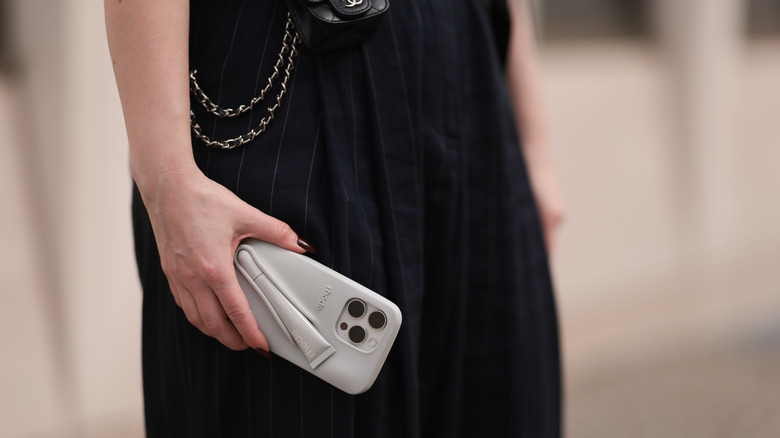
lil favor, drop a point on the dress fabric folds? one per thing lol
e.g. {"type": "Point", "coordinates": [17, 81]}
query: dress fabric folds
{"type": "Point", "coordinates": [399, 161]}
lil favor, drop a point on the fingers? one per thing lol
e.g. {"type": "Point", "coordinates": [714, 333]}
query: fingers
{"type": "Point", "coordinates": [213, 302]}
{"type": "Point", "coordinates": [224, 306]}
{"type": "Point", "coordinates": [552, 218]}
{"type": "Point", "coordinates": [549, 241]}
{"type": "Point", "coordinates": [234, 305]}
{"type": "Point", "coordinates": [217, 324]}
{"type": "Point", "coordinates": [203, 310]}
{"type": "Point", "coordinates": [264, 227]}
{"type": "Point", "coordinates": [175, 293]}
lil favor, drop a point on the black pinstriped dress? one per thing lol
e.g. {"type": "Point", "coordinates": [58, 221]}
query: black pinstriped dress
{"type": "Point", "coordinates": [399, 161]}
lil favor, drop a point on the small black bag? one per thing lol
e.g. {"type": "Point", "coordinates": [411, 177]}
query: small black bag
{"type": "Point", "coordinates": [331, 24]}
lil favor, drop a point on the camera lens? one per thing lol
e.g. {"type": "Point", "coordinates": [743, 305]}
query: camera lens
{"type": "Point", "coordinates": [356, 308]}
{"type": "Point", "coordinates": [377, 320]}
{"type": "Point", "coordinates": [357, 334]}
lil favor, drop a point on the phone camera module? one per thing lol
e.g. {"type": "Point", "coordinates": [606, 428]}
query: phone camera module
{"type": "Point", "coordinates": [356, 308]}
{"type": "Point", "coordinates": [357, 334]}
{"type": "Point", "coordinates": [362, 324]}
{"type": "Point", "coordinates": [377, 320]}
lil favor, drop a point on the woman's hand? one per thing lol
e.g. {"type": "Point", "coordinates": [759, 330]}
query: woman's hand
{"type": "Point", "coordinates": [198, 225]}
{"type": "Point", "coordinates": [544, 184]}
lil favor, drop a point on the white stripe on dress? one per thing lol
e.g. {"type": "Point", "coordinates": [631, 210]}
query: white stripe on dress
{"type": "Point", "coordinates": [281, 141]}
{"type": "Point", "coordinates": [355, 161]}
{"type": "Point", "coordinates": [308, 182]}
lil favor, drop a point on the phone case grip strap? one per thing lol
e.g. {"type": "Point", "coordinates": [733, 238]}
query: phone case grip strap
{"type": "Point", "coordinates": [305, 336]}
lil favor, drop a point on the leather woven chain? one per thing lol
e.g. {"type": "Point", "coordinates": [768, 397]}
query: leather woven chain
{"type": "Point", "coordinates": [284, 63]}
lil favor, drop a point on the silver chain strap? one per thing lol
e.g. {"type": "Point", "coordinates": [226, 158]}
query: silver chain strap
{"type": "Point", "coordinates": [285, 61]}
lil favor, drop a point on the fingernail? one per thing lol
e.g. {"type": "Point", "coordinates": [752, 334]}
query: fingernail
{"type": "Point", "coordinates": [263, 353]}
{"type": "Point", "coordinates": [306, 246]}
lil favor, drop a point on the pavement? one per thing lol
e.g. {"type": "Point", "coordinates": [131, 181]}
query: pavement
{"type": "Point", "coordinates": [670, 315]}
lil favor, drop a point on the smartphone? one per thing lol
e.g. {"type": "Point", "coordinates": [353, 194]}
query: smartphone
{"type": "Point", "coordinates": [316, 318]}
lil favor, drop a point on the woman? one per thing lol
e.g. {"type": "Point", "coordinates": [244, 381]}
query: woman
{"type": "Point", "coordinates": [398, 160]}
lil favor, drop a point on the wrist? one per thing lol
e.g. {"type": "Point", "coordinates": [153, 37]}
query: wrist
{"type": "Point", "coordinates": [150, 159]}
{"type": "Point", "coordinates": [155, 179]}
{"type": "Point", "coordinates": [146, 173]}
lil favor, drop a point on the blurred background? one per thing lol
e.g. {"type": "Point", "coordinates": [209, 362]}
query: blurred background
{"type": "Point", "coordinates": [664, 119]}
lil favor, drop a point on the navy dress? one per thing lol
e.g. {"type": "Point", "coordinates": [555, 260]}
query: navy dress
{"type": "Point", "coordinates": [399, 161]}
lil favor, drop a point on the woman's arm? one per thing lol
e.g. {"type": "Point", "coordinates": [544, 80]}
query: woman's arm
{"type": "Point", "coordinates": [523, 81]}
{"type": "Point", "coordinates": [197, 223]}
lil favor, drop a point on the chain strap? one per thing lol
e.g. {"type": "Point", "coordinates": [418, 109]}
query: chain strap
{"type": "Point", "coordinates": [285, 61]}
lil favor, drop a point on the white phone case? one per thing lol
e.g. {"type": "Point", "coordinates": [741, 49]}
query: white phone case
{"type": "Point", "coordinates": [316, 318]}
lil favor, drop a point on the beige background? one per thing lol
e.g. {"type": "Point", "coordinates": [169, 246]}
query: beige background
{"type": "Point", "coordinates": [667, 266]}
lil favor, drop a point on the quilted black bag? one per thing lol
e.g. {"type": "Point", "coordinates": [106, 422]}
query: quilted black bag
{"type": "Point", "coordinates": [325, 25]}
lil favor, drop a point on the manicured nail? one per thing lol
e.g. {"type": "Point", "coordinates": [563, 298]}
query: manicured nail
{"type": "Point", "coordinates": [263, 353]}
{"type": "Point", "coordinates": [306, 246]}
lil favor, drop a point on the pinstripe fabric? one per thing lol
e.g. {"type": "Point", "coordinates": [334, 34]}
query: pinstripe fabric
{"type": "Point", "coordinates": [399, 161]}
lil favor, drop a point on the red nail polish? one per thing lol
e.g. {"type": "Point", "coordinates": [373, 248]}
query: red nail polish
{"type": "Point", "coordinates": [306, 246]}
{"type": "Point", "coordinates": [263, 353]}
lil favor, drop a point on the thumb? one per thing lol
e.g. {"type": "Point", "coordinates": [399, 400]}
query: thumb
{"type": "Point", "coordinates": [264, 227]}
